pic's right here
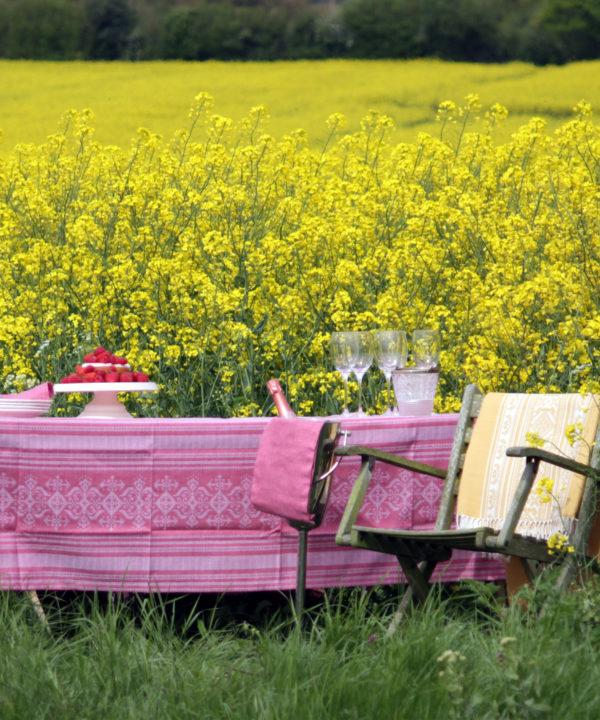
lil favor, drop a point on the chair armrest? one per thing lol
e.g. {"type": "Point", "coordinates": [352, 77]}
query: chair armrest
{"type": "Point", "coordinates": [554, 459]}
{"type": "Point", "coordinates": [390, 459]}
{"type": "Point", "coordinates": [533, 457]}
{"type": "Point", "coordinates": [368, 457]}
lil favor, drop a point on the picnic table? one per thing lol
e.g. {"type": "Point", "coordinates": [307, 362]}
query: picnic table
{"type": "Point", "coordinates": [163, 504]}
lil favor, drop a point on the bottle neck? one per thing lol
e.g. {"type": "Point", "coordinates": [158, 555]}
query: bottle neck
{"type": "Point", "coordinates": [279, 399]}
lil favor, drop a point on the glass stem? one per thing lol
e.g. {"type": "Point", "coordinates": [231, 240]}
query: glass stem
{"type": "Point", "coordinates": [388, 378]}
{"type": "Point", "coordinates": [345, 378]}
{"type": "Point", "coordinates": [359, 379]}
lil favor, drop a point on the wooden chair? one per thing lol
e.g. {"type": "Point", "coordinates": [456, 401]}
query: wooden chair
{"type": "Point", "coordinates": [419, 552]}
{"type": "Point", "coordinates": [292, 479]}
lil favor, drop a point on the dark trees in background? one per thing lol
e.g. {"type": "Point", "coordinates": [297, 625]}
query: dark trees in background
{"type": "Point", "coordinates": [111, 23]}
{"type": "Point", "coordinates": [539, 31]}
{"type": "Point", "coordinates": [41, 29]}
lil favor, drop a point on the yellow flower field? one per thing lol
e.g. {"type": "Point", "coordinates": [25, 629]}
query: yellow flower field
{"type": "Point", "coordinates": [224, 254]}
{"type": "Point", "coordinates": [302, 94]}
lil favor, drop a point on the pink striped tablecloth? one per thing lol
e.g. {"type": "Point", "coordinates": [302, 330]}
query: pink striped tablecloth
{"type": "Point", "coordinates": [164, 505]}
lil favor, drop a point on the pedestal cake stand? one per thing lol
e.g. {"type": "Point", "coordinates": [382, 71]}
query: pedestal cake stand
{"type": "Point", "coordinates": [105, 402]}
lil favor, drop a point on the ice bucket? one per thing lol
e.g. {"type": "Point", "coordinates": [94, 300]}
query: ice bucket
{"type": "Point", "coordinates": [415, 390]}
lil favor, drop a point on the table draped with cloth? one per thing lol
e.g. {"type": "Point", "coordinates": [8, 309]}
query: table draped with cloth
{"type": "Point", "coordinates": [163, 505]}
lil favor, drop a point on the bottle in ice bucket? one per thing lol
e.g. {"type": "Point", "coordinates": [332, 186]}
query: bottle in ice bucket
{"type": "Point", "coordinates": [279, 398]}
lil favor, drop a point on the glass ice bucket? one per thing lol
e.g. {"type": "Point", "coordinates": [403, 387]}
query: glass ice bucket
{"type": "Point", "coordinates": [415, 390]}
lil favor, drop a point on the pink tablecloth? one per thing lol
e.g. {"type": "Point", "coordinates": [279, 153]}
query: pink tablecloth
{"type": "Point", "coordinates": [164, 504]}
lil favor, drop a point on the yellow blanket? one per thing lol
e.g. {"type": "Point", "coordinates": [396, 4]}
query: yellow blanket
{"type": "Point", "coordinates": [489, 478]}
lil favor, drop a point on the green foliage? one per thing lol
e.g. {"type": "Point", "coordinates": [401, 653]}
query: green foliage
{"type": "Point", "coordinates": [573, 27]}
{"type": "Point", "coordinates": [383, 28]}
{"type": "Point", "coordinates": [464, 30]}
{"type": "Point", "coordinates": [541, 31]}
{"type": "Point", "coordinates": [41, 29]}
{"type": "Point", "coordinates": [200, 32]}
{"type": "Point", "coordinates": [208, 30]}
{"type": "Point", "coordinates": [110, 25]}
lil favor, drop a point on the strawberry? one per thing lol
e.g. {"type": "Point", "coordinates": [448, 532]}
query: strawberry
{"type": "Point", "coordinates": [89, 377]}
{"type": "Point", "coordinates": [99, 350]}
{"type": "Point", "coordinates": [111, 377]}
{"type": "Point", "coordinates": [79, 370]}
{"type": "Point", "coordinates": [90, 357]}
{"type": "Point", "coordinates": [126, 376]}
{"type": "Point", "coordinates": [140, 377]}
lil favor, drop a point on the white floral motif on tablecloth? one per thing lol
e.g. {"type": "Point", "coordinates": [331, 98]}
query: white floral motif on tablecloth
{"type": "Point", "coordinates": [125, 503]}
{"type": "Point", "coordinates": [33, 503]}
{"type": "Point", "coordinates": [217, 503]}
{"type": "Point", "coordinates": [245, 511]}
{"type": "Point", "coordinates": [395, 498]}
{"type": "Point", "coordinates": [57, 504]}
{"type": "Point", "coordinates": [389, 498]}
{"type": "Point", "coordinates": [427, 499]}
{"type": "Point", "coordinates": [8, 517]}
{"type": "Point", "coordinates": [398, 492]}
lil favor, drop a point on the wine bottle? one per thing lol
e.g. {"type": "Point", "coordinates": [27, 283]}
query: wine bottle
{"type": "Point", "coordinates": [281, 403]}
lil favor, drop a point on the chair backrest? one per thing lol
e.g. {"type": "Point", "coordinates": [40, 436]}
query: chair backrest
{"type": "Point", "coordinates": [291, 476]}
{"type": "Point", "coordinates": [485, 478]}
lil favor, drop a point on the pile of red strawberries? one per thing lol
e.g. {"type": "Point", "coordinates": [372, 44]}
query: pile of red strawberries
{"type": "Point", "coordinates": [116, 369]}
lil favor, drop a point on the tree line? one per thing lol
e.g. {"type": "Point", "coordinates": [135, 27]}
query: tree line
{"type": "Point", "coordinates": [538, 31]}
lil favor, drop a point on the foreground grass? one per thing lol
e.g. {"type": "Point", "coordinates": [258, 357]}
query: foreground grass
{"type": "Point", "coordinates": [462, 656]}
{"type": "Point", "coordinates": [125, 96]}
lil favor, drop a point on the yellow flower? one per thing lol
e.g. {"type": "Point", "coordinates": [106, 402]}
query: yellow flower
{"type": "Point", "coordinates": [574, 432]}
{"type": "Point", "coordinates": [558, 544]}
{"type": "Point", "coordinates": [535, 440]}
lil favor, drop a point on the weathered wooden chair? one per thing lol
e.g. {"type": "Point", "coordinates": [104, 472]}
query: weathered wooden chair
{"type": "Point", "coordinates": [486, 505]}
{"type": "Point", "coordinates": [292, 479]}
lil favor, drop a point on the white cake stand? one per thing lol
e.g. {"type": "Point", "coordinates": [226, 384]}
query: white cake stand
{"type": "Point", "coordinates": [105, 402]}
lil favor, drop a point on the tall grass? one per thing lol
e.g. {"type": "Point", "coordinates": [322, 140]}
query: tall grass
{"type": "Point", "coordinates": [462, 655]}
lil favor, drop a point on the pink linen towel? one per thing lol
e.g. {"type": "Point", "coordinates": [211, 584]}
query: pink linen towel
{"type": "Point", "coordinates": [284, 467]}
{"type": "Point", "coordinates": [43, 391]}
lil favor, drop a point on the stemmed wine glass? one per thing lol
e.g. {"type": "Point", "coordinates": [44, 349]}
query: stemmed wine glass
{"type": "Point", "coordinates": [341, 352]}
{"type": "Point", "coordinates": [391, 351]}
{"type": "Point", "coordinates": [426, 348]}
{"type": "Point", "coordinates": [361, 359]}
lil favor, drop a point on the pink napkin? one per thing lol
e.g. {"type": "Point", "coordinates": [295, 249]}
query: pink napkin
{"type": "Point", "coordinates": [284, 467]}
{"type": "Point", "coordinates": [43, 391]}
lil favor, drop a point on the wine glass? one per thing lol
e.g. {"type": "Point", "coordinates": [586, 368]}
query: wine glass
{"type": "Point", "coordinates": [426, 348]}
{"type": "Point", "coordinates": [391, 350]}
{"type": "Point", "coordinates": [361, 359]}
{"type": "Point", "coordinates": [341, 352]}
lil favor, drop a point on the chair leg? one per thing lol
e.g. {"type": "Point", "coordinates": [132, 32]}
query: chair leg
{"type": "Point", "coordinates": [418, 580]}
{"type": "Point", "coordinates": [301, 572]}
{"type": "Point", "coordinates": [418, 577]}
{"type": "Point", "coordinates": [407, 600]}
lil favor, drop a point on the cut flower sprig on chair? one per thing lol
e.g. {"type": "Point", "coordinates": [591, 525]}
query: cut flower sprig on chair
{"type": "Point", "coordinates": [558, 543]}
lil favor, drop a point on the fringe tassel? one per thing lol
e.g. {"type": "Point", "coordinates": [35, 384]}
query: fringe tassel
{"type": "Point", "coordinates": [540, 530]}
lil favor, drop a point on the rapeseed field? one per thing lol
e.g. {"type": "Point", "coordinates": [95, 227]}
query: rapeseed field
{"type": "Point", "coordinates": [302, 94]}
{"type": "Point", "coordinates": [224, 254]}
